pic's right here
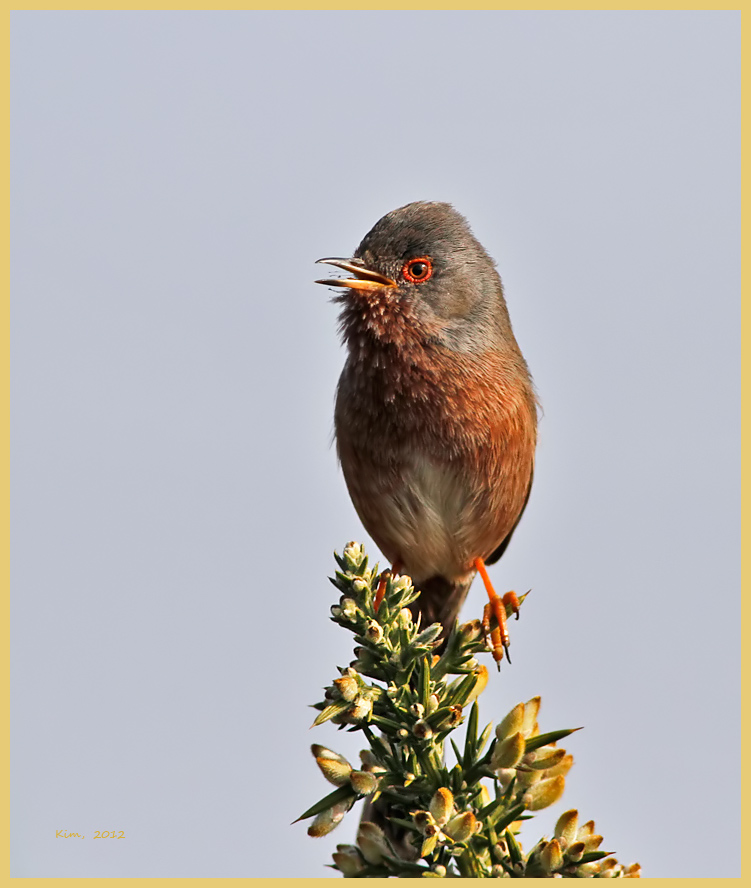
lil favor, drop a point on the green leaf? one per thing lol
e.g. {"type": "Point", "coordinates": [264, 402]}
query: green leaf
{"type": "Point", "coordinates": [509, 817]}
{"type": "Point", "coordinates": [458, 755]}
{"type": "Point", "coordinates": [515, 852]}
{"type": "Point", "coordinates": [543, 739]}
{"type": "Point", "coordinates": [423, 677]}
{"type": "Point", "coordinates": [333, 798]}
{"type": "Point", "coordinates": [480, 745]}
{"type": "Point", "coordinates": [591, 856]}
{"type": "Point", "coordinates": [330, 711]}
{"type": "Point", "coordinates": [471, 739]}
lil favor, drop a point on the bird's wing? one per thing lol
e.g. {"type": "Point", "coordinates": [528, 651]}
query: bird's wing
{"type": "Point", "coordinates": [502, 548]}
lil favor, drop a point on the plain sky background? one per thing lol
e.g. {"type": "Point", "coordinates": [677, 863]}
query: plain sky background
{"type": "Point", "coordinates": [175, 498]}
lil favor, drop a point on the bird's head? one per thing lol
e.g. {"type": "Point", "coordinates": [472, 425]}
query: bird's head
{"type": "Point", "coordinates": [422, 262]}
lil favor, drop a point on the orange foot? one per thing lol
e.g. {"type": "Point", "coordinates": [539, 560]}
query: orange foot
{"type": "Point", "coordinates": [383, 582]}
{"type": "Point", "coordinates": [499, 637]}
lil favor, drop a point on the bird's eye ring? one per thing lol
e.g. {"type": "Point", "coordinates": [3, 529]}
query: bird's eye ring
{"type": "Point", "coordinates": [417, 271]}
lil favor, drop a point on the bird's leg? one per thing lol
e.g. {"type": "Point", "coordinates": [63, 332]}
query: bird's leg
{"type": "Point", "coordinates": [499, 637]}
{"type": "Point", "coordinates": [383, 582]}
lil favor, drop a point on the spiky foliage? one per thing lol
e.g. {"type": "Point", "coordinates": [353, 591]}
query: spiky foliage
{"type": "Point", "coordinates": [426, 817]}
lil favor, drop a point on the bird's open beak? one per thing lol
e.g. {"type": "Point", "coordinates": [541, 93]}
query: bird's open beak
{"type": "Point", "coordinates": [365, 278]}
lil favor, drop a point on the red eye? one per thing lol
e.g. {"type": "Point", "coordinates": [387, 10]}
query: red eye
{"type": "Point", "coordinates": [418, 270]}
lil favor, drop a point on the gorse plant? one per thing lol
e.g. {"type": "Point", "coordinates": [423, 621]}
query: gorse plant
{"type": "Point", "coordinates": [425, 817]}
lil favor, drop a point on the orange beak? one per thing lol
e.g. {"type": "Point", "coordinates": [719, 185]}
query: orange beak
{"type": "Point", "coordinates": [365, 278]}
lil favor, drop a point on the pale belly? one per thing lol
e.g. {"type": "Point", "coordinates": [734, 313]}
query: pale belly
{"type": "Point", "coordinates": [426, 519]}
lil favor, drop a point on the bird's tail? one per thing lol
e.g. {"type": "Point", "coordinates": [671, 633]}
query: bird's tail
{"type": "Point", "coordinates": [440, 601]}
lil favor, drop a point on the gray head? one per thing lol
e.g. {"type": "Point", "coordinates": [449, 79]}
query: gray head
{"type": "Point", "coordinates": [426, 256]}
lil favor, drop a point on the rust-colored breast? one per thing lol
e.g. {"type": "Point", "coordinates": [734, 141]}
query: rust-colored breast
{"type": "Point", "coordinates": [437, 448]}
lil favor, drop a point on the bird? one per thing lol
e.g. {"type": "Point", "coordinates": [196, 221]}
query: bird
{"type": "Point", "coordinates": [435, 414]}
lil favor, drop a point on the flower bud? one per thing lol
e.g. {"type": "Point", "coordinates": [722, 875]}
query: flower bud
{"type": "Point", "coordinates": [370, 762]}
{"type": "Point", "coordinates": [566, 827]}
{"type": "Point", "coordinates": [512, 723]}
{"type": "Point", "coordinates": [575, 852]}
{"type": "Point", "coordinates": [374, 631]}
{"type": "Point", "coordinates": [592, 843]}
{"type": "Point", "coordinates": [424, 821]}
{"type": "Point", "coordinates": [562, 768]}
{"type": "Point", "coordinates": [352, 551]}
{"type": "Point", "coordinates": [551, 857]}
{"type": "Point", "coordinates": [348, 607]}
{"type": "Point", "coordinates": [360, 709]}
{"type": "Point", "coordinates": [363, 782]}
{"type": "Point", "coordinates": [439, 869]}
{"type": "Point", "coordinates": [402, 584]}
{"type": "Point", "coordinates": [543, 758]}
{"type": "Point", "coordinates": [328, 819]}
{"type": "Point", "coordinates": [405, 618]}
{"type": "Point", "coordinates": [526, 777]}
{"type": "Point", "coordinates": [417, 709]}
{"type": "Point", "coordinates": [441, 805]}
{"type": "Point", "coordinates": [372, 842]}
{"type": "Point", "coordinates": [347, 686]}
{"type": "Point", "coordinates": [348, 860]}
{"type": "Point", "coordinates": [334, 767]}
{"type": "Point", "coordinates": [461, 827]}
{"type": "Point", "coordinates": [531, 710]}
{"type": "Point", "coordinates": [544, 793]}
{"type": "Point", "coordinates": [433, 703]}
{"type": "Point", "coordinates": [422, 730]}
{"type": "Point", "coordinates": [470, 631]}
{"type": "Point", "coordinates": [508, 753]}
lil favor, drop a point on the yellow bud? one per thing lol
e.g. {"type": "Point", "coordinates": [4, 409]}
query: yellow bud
{"type": "Point", "coordinates": [363, 782]}
{"type": "Point", "coordinates": [531, 709]}
{"type": "Point", "coordinates": [527, 777]}
{"type": "Point", "coordinates": [328, 819]}
{"type": "Point", "coordinates": [461, 827]}
{"type": "Point", "coordinates": [508, 753]}
{"type": "Point", "coordinates": [551, 857]}
{"type": "Point", "coordinates": [360, 709]}
{"type": "Point", "coordinates": [592, 843]}
{"type": "Point", "coordinates": [575, 852]}
{"type": "Point", "coordinates": [562, 768]}
{"type": "Point", "coordinates": [347, 687]}
{"type": "Point", "coordinates": [511, 723]}
{"type": "Point", "coordinates": [566, 827]}
{"type": "Point", "coordinates": [544, 793]}
{"type": "Point", "coordinates": [442, 805]}
{"type": "Point", "coordinates": [545, 757]}
{"type": "Point", "coordinates": [482, 680]}
{"type": "Point", "coordinates": [334, 767]}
